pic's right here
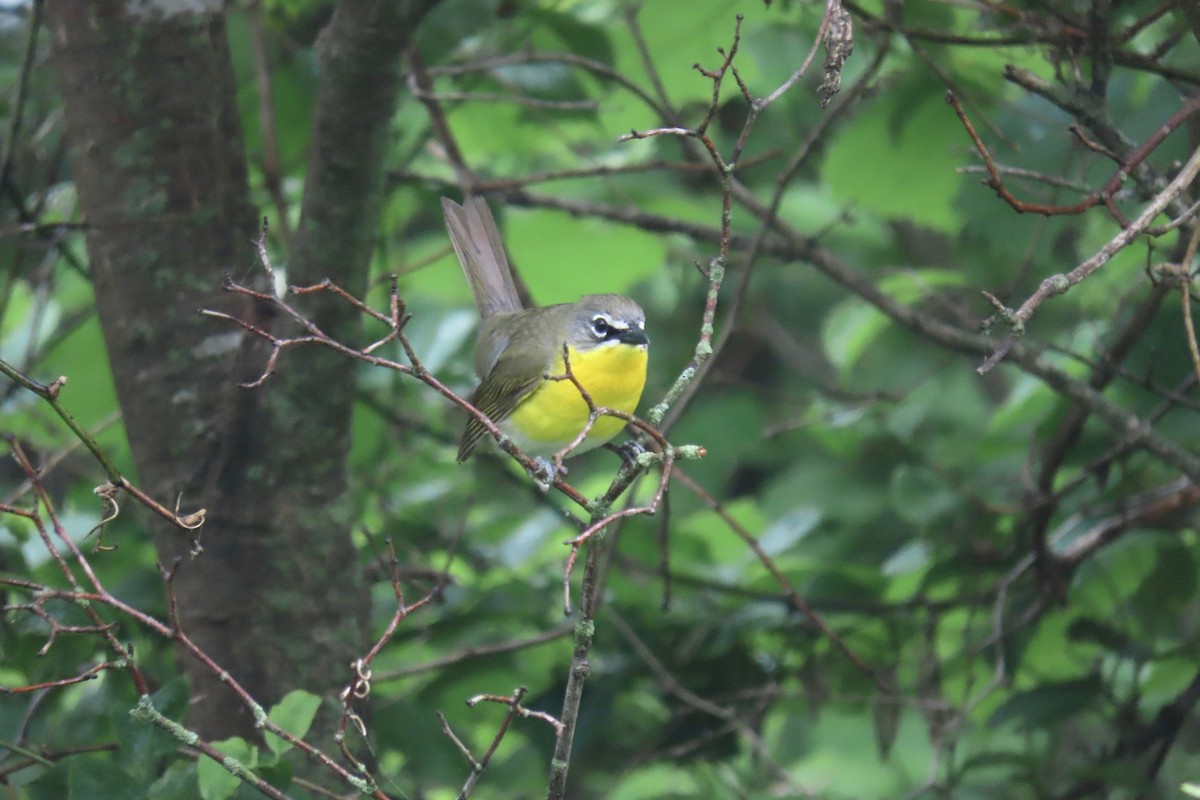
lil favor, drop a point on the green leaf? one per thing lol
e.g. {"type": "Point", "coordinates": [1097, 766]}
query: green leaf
{"type": "Point", "coordinates": [657, 781]}
{"type": "Point", "coordinates": [896, 160]}
{"type": "Point", "coordinates": [294, 713]}
{"type": "Point", "coordinates": [909, 558]}
{"type": "Point", "coordinates": [278, 774]}
{"type": "Point", "coordinates": [218, 783]}
{"type": "Point", "coordinates": [100, 779]}
{"type": "Point", "coordinates": [886, 715]}
{"type": "Point", "coordinates": [854, 324]}
{"type": "Point", "coordinates": [1168, 589]}
{"type": "Point", "coordinates": [143, 746]}
{"type": "Point", "coordinates": [562, 258]}
{"type": "Point", "coordinates": [849, 330]}
{"type": "Point", "coordinates": [578, 35]}
{"type": "Point", "coordinates": [177, 782]}
{"type": "Point", "coordinates": [1109, 637]}
{"type": "Point", "coordinates": [789, 529]}
{"type": "Point", "coordinates": [1050, 704]}
{"type": "Point", "coordinates": [919, 496]}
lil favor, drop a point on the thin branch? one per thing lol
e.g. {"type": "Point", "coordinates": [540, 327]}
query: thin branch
{"type": "Point", "coordinates": [50, 393]}
{"type": "Point", "coordinates": [16, 109]}
{"type": "Point", "coordinates": [794, 599]}
{"type": "Point", "coordinates": [272, 170]}
{"type": "Point", "coordinates": [359, 688]}
{"type": "Point", "coordinates": [597, 68]}
{"type": "Point", "coordinates": [396, 319]}
{"type": "Point", "coordinates": [1103, 196]}
{"type": "Point", "coordinates": [478, 651]}
{"type": "Point", "coordinates": [1185, 295]}
{"type": "Point", "coordinates": [672, 686]}
{"type": "Point", "coordinates": [145, 711]}
{"type": "Point", "coordinates": [1058, 284]}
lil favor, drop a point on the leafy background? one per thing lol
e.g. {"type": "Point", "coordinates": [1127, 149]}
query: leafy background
{"type": "Point", "coordinates": [893, 486]}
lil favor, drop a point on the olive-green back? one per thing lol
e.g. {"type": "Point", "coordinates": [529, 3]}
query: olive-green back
{"type": "Point", "coordinates": [508, 371]}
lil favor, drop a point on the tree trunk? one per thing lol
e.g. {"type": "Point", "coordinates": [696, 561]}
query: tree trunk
{"type": "Point", "coordinates": [276, 598]}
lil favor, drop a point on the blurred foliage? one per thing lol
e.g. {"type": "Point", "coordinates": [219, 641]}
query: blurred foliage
{"type": "Point", "coordinates": [899, 492]}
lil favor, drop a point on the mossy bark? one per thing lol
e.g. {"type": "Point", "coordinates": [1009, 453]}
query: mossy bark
{"type": "Point", "coordinates": [276, 598]}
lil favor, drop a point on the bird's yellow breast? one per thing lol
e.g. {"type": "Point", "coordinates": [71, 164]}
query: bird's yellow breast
{"type": "Point", "coordinates": [554, 413]}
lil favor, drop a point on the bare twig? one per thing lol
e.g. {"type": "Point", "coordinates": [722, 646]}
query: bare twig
{"type": "Point", "coordinates": [1058, 284]}
{"type": "Point", "coordinates": [477, 651]}
{"type": "Point", "coordinates": [515, 709]}
{"type": "Point", "coordinates": [1185, 294]}
{"type": "Point", "coordinates": [272, 170]}
{"type": "Point", "coordinates": [1105, 194]}
{"type": "Point", "coordinates": [359, 687]}
{"type": "Point", "coordinates": [21, 93]}
{"type": "Point", "coordinates": [672, 686]}
{"type": "Point", "coordinates": [794, 598]}
{"type": "Point", "coordinates": [50, 393]}
{"type": "Point", "coordinates": [368, 354]}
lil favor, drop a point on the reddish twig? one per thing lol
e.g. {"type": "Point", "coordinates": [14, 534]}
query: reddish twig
{"type": "Point", "coordinates": [477, 651]}
{"type": "Point", "coordinates": [667, 456]}
{"type": "Point", "coordinates": [595, 412]}
{"type": "Point", "coordinates": [272, 169]}
{"type": "Point", "coordinates": [89, 602]}
{"type": "Point", "coordinates": [49, 392]}
{"type": "Point", "coordinates": [106, 631]}
{"type": "Point", "coordinates": [794, 598]}
{"type": "Point", "coordinates": [359, 687]}
{"type": "Point", "coordinates": [598, 525]}
{"type": "Point", "coordinates": [515, 709]}
{"type": "Point", "coordinates": [1060, 283]}
{"type": "Point", "coordinates": [395, 320]}
{"type": "Point", "coordinates": [38, 608]}
{"type": "Point", "coordinates": [90, 674]}
{"type": "Point", "coordinates": [1104, 195]}
{"type": "Point", "coordinates": [262, 721]}
{"type": "Point", "coordinates": [675, 688]}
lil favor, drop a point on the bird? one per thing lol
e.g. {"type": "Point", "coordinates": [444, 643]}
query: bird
{"type": "Point", "coordinates": [524, 388]}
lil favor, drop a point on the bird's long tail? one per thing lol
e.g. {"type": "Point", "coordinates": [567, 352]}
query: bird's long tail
{"type": "Point", "coordinates": [476, 240]}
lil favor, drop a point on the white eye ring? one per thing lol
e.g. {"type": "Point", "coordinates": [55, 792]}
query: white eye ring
{"type": "Point", "coordinates": [600, 326]}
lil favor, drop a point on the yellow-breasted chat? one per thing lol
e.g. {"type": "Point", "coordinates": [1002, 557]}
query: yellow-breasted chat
{"type": "Point", "coordinates": [520, 350]}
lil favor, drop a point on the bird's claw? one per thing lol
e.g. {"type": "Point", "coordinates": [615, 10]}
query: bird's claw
{"type": "Point", "coordinates": [628, 451]}
{"type": "Point", "coordinates": [546, 473]}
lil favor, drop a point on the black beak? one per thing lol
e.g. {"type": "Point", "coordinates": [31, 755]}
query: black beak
{"type": "Point", "coordinates": [633, 336]}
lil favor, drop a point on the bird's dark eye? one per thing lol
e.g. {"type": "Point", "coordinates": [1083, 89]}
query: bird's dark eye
{"type": "Point", "coordinates": [600, 326]}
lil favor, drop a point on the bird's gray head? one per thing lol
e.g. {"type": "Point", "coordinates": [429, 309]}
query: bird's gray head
{"type": "Point", "coordinates": [598, 320]}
